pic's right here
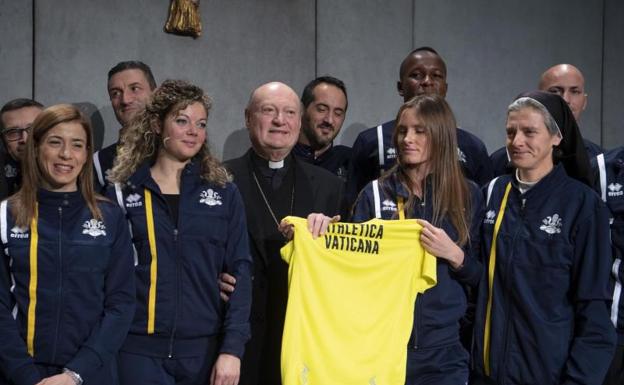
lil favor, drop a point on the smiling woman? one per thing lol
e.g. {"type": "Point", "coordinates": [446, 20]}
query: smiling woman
{"type": "Point", "coordinates": [189, 225]}
{"type": "Point", "coordinates": [59, 237]}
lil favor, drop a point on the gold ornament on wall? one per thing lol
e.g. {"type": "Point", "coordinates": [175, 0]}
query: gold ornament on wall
{"type": "Point", "coordinates": [184, 18]}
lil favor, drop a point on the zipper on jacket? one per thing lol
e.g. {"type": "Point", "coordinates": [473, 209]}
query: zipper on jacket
{"type": "Point", "coordinates": [60, 283]}
{"type": "Point", "coordinates": [177, 294]}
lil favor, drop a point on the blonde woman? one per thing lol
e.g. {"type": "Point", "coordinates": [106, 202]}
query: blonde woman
{"type": "Point", "coordinates": [188, 224]}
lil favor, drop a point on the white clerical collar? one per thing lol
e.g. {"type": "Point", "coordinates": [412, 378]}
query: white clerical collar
{"type": "Point", "coordinates": [276, 165]}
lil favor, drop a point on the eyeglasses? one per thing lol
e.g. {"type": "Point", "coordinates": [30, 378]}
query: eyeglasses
{"type": "Point", "coordinates": [15, 133]}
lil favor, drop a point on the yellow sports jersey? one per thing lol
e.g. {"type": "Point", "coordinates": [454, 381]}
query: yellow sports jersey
{"type": "Point", "coordinates": [351, 297]}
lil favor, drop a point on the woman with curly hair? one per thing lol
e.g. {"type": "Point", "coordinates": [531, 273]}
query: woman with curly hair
{"type": "Point", "coordinates": [66, 283]}
{"type": "Point", "coordinates": [188, 224]}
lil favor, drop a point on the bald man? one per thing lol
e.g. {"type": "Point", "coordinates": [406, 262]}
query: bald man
{"type": "Point", "coordinates": [568, 82]}
{"type": "Point", "coordinates": [274, 184]}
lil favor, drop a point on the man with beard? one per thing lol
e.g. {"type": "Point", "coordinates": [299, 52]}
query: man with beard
{"type": "Point", "coordinates": [325, 105]}
{"type": "Point", "coordinates": [422, 72]}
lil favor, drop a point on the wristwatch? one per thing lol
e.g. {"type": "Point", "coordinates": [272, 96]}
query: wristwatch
{"type": "Point", "coordinates": [75, 376]}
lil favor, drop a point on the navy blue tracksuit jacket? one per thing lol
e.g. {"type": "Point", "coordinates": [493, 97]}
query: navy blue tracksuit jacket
{"type": "Point", "coordinates": [550, 297]}
{"type": "Point", "coordinates": [610, 186]}
{"type": "Point", "coordinates": [367, 164]}
{"type": "Point", "coordinates": [84, 298]}
{"type": "Point", "coordinates": [438, 311]}
{"type": "Point", "coordinates": [209, 238]}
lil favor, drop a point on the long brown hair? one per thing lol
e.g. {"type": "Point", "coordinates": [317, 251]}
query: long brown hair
{"type": "Point", "coordinates": [23, 202]}
{"type": "Point", "coordinates": [141, 140]}
{"type": "Point", "coordinates": [450, 193]}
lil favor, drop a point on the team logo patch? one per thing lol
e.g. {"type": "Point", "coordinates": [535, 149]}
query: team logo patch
{"type": "Point", "coordinates": [391, 153]}
{"type": "Point", "coordinates": [490, 217]}
{"type": "Point", "coordinates": [94, 228]}
{"type": "Point", "coordinates": [615, 189]}
{"type": "Point", "coordinates": [19, 233]}
{"type": "Point", "coordinates": [10, 171]}
{"type": "Point", "coordinates": [210, 197]}
{"type": "Point", "coordinates": [551, 224]}
{"type": "Point", "coordinates": [388, 205]}
{"type": "Point", "coordinates": [461, 156]}
{"type": "Point", "coordinates": [133, 200]}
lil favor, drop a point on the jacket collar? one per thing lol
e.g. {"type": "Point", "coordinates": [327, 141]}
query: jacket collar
{"type": "Point", "coordinates": [143, 177]}
{"type": "Point", "coordinates": [545, 186]}
{"type": "Point", "coordinates": [53, 198]}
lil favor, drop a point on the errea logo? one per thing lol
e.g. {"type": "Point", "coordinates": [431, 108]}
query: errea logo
{"type": "Point", "coordinates": [391, 153]}
{"type": "Point", "coordinates": [19, 233]}
{"type": "Point", "coordinates": [210, 197]}
{"type": "Point", "coordinates": [490, 217]}
{"type": "Point", "coordinates": [461, 156]}
{"type": "Point", "coordinates": [94, 228]}
{"type": "Point", "coordinates": [388, 205]}
{"type": "Point", "coordinates": [134, 200]}
{"type": "Point", "coordinates": [10, 171]}
{"type": "Point", "coordinates": [615, 189]}
{"type": "Point", "coordinates": [551, 224]}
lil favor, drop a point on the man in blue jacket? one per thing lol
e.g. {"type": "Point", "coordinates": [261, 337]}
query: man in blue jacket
{"type": "Point", "coordinates": [423, 71]}
{"type": "Point", "coordinates": [130, 85]}
{"type": "Point", "coordinates": [610, 167]}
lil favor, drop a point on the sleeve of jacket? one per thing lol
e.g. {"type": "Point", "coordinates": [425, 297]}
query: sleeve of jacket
{"type": "Point", "coordinates": [485, 169]}
{"type": "Point", "coordinates": [15, 362]}
{"type": "Point", "coordinates": [119, 301]}
{"type": "Point", "coordinates": [236, 326]}
{"type": "Point", "coordinates": [362, 169]}
{"type": "Point", "coordinates": [363, 209]}
{"type": "Point", "coordinates": [594, 335]}
{"type": "Point", "coordinates": [472, 269]}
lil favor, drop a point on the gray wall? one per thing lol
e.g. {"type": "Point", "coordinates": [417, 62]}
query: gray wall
{"type": "Point", "coordinates": [493, 50]}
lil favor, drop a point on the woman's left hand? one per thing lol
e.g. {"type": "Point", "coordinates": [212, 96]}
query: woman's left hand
{"type": "Point", "coordinates": [437, 242]}
{"type": "Point", "coordinates": [59, 379]}
{"type": "Point", "coordinates": [226, 371]}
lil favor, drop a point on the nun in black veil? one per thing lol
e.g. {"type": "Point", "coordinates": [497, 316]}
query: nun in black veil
{"type": "Point", "coordinates": [543, 304]}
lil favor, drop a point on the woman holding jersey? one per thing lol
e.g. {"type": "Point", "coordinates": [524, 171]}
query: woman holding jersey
{"type": "Point", "coordinates": [427, 183]}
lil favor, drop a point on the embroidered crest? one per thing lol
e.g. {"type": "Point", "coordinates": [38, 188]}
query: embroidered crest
{"type": "Point", "coordinates": [18, 232]}
{"type": "Point", "coordinates": [391, 153]}
{"type": "Point", "coordinates": [10, 171]}
{"type": "Point", "coordinates": [133, 200]}
{"type": "Point", "coordinates": [461, 156]}
{"type": "Point", "coordinates": [210, 197]}
{"type": "Point", "coordinates": [490, 217]}
{"type": "Point", "coordinates": [94, 228]}
{"type": "Point", "coordinates": [615, 189]}
{"type": "Point", "coordinates": [551, 224]}
{"type": "Point", "coordinates": [388, 205]}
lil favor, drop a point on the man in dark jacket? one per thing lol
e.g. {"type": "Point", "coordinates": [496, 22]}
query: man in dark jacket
{"type": "Point", "coordinates": [274, 184]}
{"type": "Point", "coordinates": [16, 117]}
{"type": "Point", "coordinates": [130, 85]}
{"type": "Point", "coordinates": [423, 71]}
